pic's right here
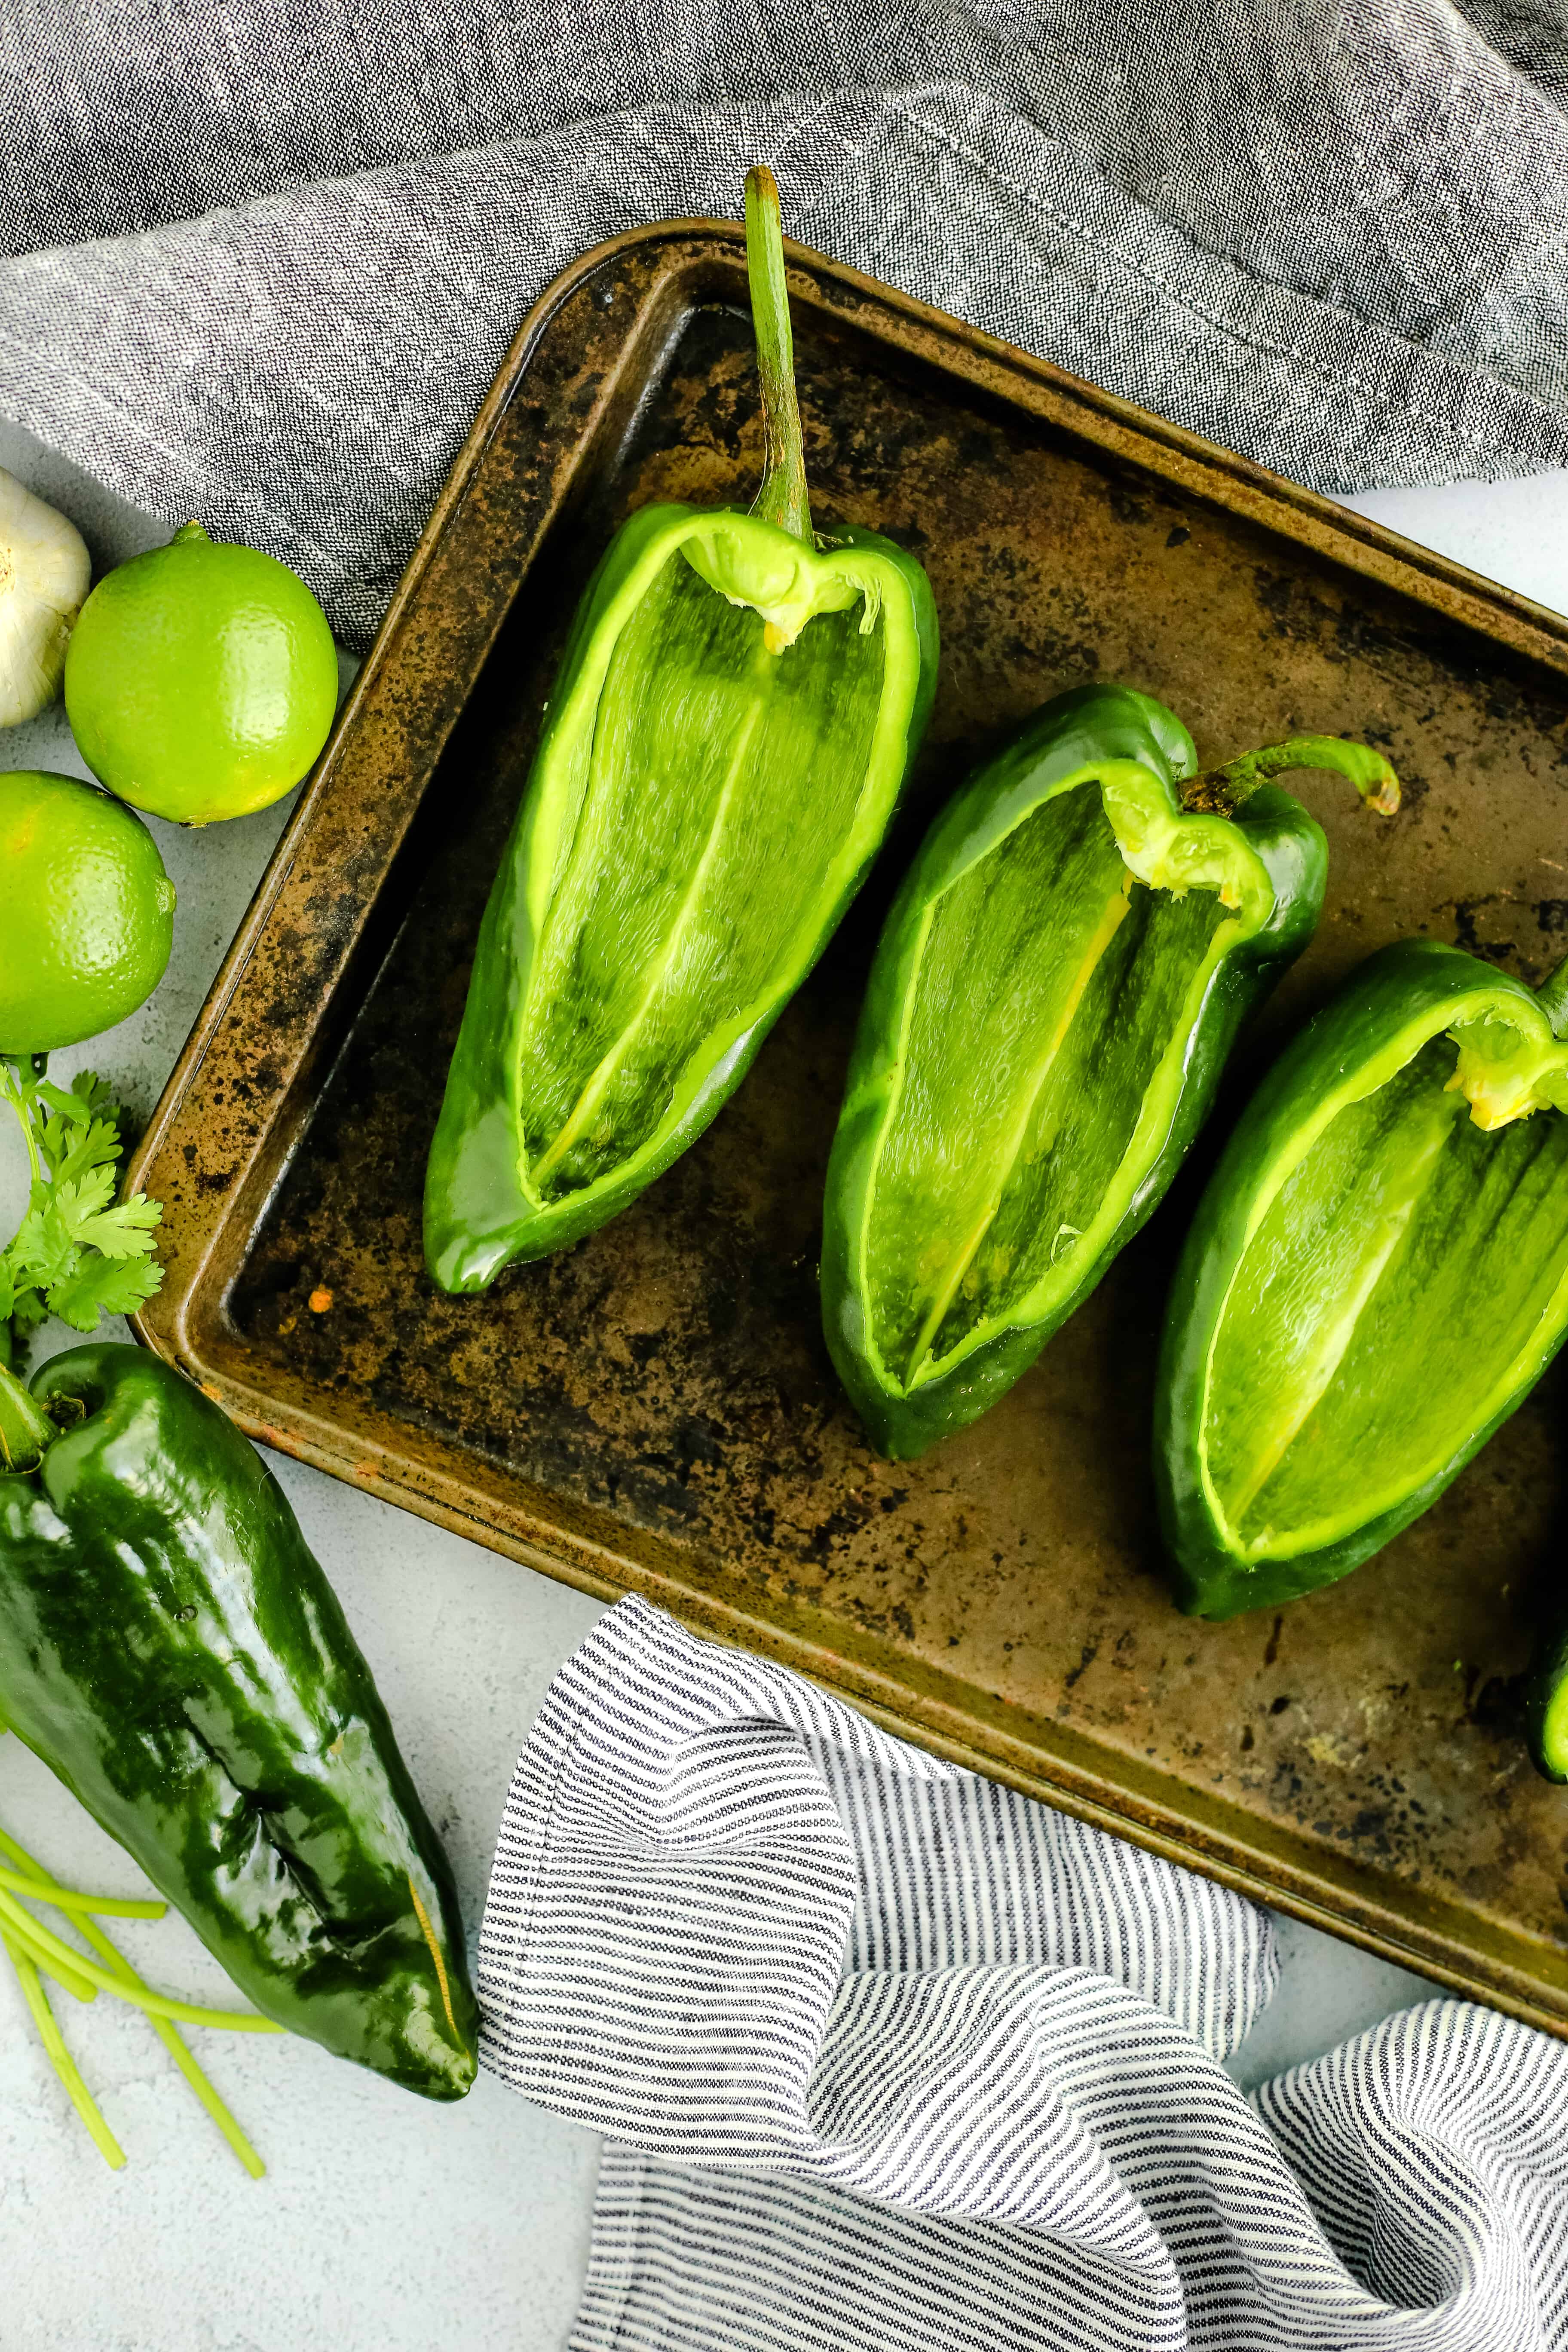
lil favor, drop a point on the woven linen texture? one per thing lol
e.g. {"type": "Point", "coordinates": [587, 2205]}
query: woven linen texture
{"type": "Point", "coordinates": [266, 255]}
{"type": "Point", "coordinates": [894, 2059]}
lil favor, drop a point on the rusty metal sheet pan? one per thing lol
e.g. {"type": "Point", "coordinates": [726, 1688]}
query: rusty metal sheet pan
{"type": "Point", "coordinates": [654, 1411]}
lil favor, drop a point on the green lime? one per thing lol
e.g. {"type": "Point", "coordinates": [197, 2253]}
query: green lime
{"type": "Point", "coordinates": [201, 680]}
{"type": "Point", "coordinates": [86, 915]}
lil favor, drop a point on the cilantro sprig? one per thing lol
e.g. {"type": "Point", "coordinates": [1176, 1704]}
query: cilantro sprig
{"type": "Point", "coordinates": [78, 1253]}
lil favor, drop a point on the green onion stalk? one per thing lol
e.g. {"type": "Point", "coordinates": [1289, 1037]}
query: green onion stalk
{"type": "Point", "coordinates": [35, 1952]}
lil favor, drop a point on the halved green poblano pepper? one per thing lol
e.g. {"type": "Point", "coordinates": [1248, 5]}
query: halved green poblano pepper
{"type": "Point", "coordinates": [735, 711]}
{"type": "Point", "coordinates": [1376, 1277]}
{"type": "Point", "coordinates": [1057, 985]}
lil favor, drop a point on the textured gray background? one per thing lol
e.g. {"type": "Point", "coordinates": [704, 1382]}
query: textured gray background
{"type": "Point", "coordinates": [1332, 234]}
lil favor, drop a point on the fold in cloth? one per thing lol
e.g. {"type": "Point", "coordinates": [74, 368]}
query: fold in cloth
{"type": "Point", "coordinates": [894, 2060]}
{"type": "Point", "coordinates": [1329, 235]}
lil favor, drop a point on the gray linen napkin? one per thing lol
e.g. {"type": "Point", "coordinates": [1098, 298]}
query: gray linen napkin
{"type": "Point", "coordinates": [1330, 234]}
{"type": "Point", "coordinates": [895, 2061]}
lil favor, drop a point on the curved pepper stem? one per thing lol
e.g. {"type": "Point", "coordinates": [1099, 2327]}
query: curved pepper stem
{"type": "Point", "coordinates": [26, 1433]}
{"type": "Point", "coordinates": [1220, 791]}
{"type": "Point", "coordinates": [783, 499]}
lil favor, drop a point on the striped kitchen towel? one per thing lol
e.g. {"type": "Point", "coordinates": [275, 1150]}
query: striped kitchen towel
{"type": "Point", "coordinates": [894, 2061]}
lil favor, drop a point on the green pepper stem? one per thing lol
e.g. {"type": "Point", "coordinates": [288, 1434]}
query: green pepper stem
{"type": "Point", "coordinates": [1222, 791]}
{"type": "Point", "coordinates": [26, 1433]}
{"type": "Point", "coordinates": [783, 499]}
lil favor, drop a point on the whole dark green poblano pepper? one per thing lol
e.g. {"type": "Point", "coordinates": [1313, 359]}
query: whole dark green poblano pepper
{"type": "Point", "coordinates": [1061, 978]}
{"type": "Point", "coordinates": [1375, 1277]}
{"type": "Point", "coordinates": [172, 1650]}
{"type": "Point", "coordinates": [735, 714]}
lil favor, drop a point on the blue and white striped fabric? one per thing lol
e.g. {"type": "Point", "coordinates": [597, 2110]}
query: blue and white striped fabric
{"type": "Point", "coordinates": [894, 2061]}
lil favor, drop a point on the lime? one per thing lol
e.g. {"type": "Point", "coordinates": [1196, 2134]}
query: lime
{"type": "Point", "coordinates": [201, 680]}
{"type": "Point", "coordinates": [86, 914]}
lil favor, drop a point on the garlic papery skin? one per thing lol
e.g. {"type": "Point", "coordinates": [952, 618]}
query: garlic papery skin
{"type": "Point", "coordinates": [44, 573]}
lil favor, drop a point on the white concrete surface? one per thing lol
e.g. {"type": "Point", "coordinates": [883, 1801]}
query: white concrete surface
{"type": "Point", "coordinates": [385, 2225]}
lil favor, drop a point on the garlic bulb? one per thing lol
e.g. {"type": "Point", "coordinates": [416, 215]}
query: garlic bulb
{"type": "Point", "coordinates": [45, 572]}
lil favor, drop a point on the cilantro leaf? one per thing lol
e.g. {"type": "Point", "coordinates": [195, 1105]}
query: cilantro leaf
{"type": "Point", "coordinates": [98, 1095]}
{"type": "Point", "coordinates": [124, 1230]}
{"type": "Point", "coordinates": [95, 1146]}
{"type": "Point", "coordinates": [104, 1286]}
{"type": "Point", "coordinates": [65, 1106]}
{"type": "Point", "coordinates": [78, 1253]}
{"type": "Point", "coordinates": [27, 1312]}
{"type": "Point", "coordinates": [76, 1201]}
{"type": "Point", "coordinates": [77, 1130]}
{"type": "Point", "coordinates": [42, 1249]}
